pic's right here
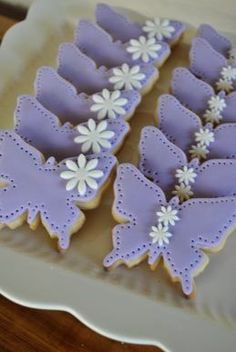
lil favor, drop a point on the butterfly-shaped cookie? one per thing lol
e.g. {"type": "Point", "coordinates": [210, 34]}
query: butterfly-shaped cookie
{"type": "Point", "coordinates": [83, 73]}
{"type": "Point", "coordinates": [201, 98]}
{"type": "Point", "coordinates": [122, 28]}
{"type": "Point", "coordinates": [185, 129]}
{"type": "Point", "coordinates": [33, 190]}
{"type": "Point", "coordinates": [218, 41]}
{"type": "Point", "coordinates": [211, 66]}
{"type": "Point", "coordinates": [177, 176]}
{"type": "Point", "coordinates": [61, 98]}
{"type": "Point", "coordinates": [153, 228]}
{"type": "Point", "coordinates": [43, 130]}
{"type": "Point", "coordinates": [93, 41]}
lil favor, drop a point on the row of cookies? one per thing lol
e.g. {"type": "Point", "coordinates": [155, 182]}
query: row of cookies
{"type": "Point", "coordinates": [76, 120]}
{"type": "Point", "coordinates": [192, 154]}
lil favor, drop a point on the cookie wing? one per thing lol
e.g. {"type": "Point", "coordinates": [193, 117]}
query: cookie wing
{"type": "Point", "coordinates": [205, 62]}
{"type": "Point", "coordinates": [177, 122]}
{"type": "Point", "coordinates": [192, 92]}
{"type": "Point", "coordinates": [217, 40]}
{"type": "Point", "coordinates": [161, 170]}
{"type": "Point", "coordinates": [136, 201]}
{"type": "Point", "coordinates": [224, 146]}
{"type": "Point", "coordinates": [118, 25]}
{"type": "Point", "coordinates": [204, 224]}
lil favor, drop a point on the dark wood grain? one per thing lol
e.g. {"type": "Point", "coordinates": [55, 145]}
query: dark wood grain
{"type": "Point", "coordinates": [30, 330]}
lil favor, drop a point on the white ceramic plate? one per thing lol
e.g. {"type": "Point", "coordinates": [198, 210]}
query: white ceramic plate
{"type": "Point", "coordinates": [135, 305]}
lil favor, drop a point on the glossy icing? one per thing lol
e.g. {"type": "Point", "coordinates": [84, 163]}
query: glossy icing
{"type": "Point", "coordinates": [137, 201]}
{"type": "Point", "coordinates": [52, 138]}
{"type": "Point", "coordinates": [34, 189]}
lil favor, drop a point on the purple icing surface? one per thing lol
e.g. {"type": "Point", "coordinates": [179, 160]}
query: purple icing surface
{"type": "Point", "coordinates": [82, 72]}
{"type": "Point", "coordinates": [217, 40]}
{"type": "Point", "coordinates": [194, 94]}
{"type": "Point", "coordinates": [61, 98]}
{"type": "Point", "coordinates": [203, 223]}
{"type": "Point", "coordinates": [205, 62]}
{"type": "Point", "coordinates": [34, 187]}
{"type": "Point", "coordinates": [122, 28]}
{"type": "Point", "coordinates": [93, 41]}
{"type": "Point", "coordinates": [179, 125]}
{"type": "Point", "coordinates": [50, 137]}
{"type": "Point", "coordinates": [208, 183]}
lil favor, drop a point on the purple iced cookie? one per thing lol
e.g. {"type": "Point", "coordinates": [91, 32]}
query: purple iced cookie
{"type": "Point", "coordinates": [61, 98]}
{"type": "Point", "coordinates": [122, 28]}
{"type": "Point", "coordinates": [37, 190]}
{"type": "Point", "coordinates": [93, 41]}
{"type": "Point", "coordinates": [201, 98]}
{"type": "Point", "coordinates": [83, 73]}
{"type": "Point", "coordinates": [211, 66]}
{"type": "Point", "coordinates": [176, 176]}
{"type": "Point", "coordinates": [43, 130]}
{"type": "Point", "coordinates": [185, 129]}
{"type": "Point", "coordinates": [218, 41]}
{"type": "Point", "coordinates": [155, 228]}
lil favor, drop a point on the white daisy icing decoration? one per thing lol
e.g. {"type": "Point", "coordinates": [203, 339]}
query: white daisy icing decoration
{"type": "Point", "coordinates": [108, 104]}
{"type": "Point", "coordinates": [199, 151]}
{"type": "Point", "coordinates": [212, 116]}
{"type": "Point", "coordinates": [228, 73]}
{"type": "Point", "coordinates": [160, 235]}
{"type": "Point", "coordinates": [94, 136]}
{"type": "Point", "coordinates": [204, 136]}
{"type": "Point", "coordinates": [127, 77]}
{"type": "Point", "coordinates": [185, 175]}
{"type": "Point", "coordinates": [144, 48]}
{"type": "Point", "coordinates": [167, 216]}
{"type": "Point", "coordinates": [224, 84]}
{"type": "Point", "coordinates": [159, 28]}
{"type": "Point", "coordinates": [82, 174]}
{"type": "Point", "coordinates": [216, 103]}
{"type": "Point", "coordinates": [183, 191]}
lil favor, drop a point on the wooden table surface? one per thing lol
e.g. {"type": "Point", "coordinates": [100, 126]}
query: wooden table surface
{"type": "Point", "coordinates": [32, 330]}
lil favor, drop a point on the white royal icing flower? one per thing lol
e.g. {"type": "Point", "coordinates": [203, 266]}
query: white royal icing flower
{"type": "Point", "coordinates": [216, 103]}
{"type": "Point", "coordinates": [160, 234]}
{"type": "Point", "coordinates": [183, 191]}
{"type": "Point", "coordinates": [82, 174]}
{"type": "Point", "coordinates": [224, 84]}
{"type": "Point", "coordinates": [108, 104]}
{"type": "Point", "coordinates": [127, 77]}
{"type": "Point", "coordinates": [199, 151]}
{"type": "Point", "coordinates": [159, 28]}
{"type": "Point", "coordinates": [185, 175]}
{"type": "Point", "coordinates": [167, 215]}
{"type": "Point", "coordinates": [228, 73]}
{"type": "Point", "coordinates": [143, 48]}
{"type": "Point", "coordinates": [204, 136]}
{"type": "Point", "coordinates": [94, 136]}
{"type": "Point", "coordinates": [212, 116]}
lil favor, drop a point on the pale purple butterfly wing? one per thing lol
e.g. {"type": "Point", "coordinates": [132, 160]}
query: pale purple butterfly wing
{"type": "Point", "coordinates": [229, 112]}
{"type": "Point", "coordinates": [204, 223]}
{"type": "Point", "coordinates": [81, 70]}
{"type": "Point", "coordinates": [215, 178]}
{"type": "Point", "coordinates": [177, 122]}
{"type": "Point", "coordinates": [192, 92]}
{"type": "Point", "coordinates": [161, 170]}
{"type": "Point", "coordinates": [136, 201]}
{"type": "Point", "coordinates": [35, 188]}
{"type": "Point", "coordinates": [217, 40]}
{"type": "Point", "coordinates": [205, 62]}
{"type": "Point", "coordinates": [93, 41]}
{"type": "Point", "coordinates": [224, 145]}
{"type": "Point", "coordinates": [52, 138]}
{"type": "Point", "coordinates": [118, 25]}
